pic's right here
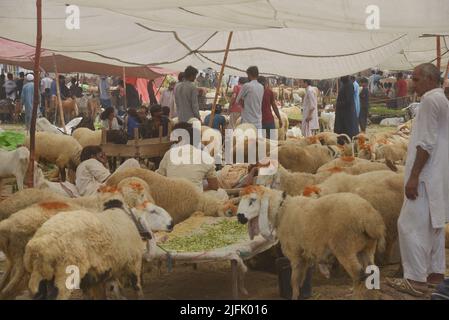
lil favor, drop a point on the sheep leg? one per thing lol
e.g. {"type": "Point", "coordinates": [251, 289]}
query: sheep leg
{"type": "Point", "coordinates": [19, 179]}
{"type": "Point", "coordinates": [299, 269]}
{"type": "Point", "coordinates": [18, 280]}
{"type": "Point", "coordinates": [6, 276]}
{"type": "Point", "coordinates": [353, 267]}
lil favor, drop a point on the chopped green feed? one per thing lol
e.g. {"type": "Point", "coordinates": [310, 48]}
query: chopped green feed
{"type": "Point", "coordinates": [10, 139]}
{"type": "Point", "coordinates": [211, 236]}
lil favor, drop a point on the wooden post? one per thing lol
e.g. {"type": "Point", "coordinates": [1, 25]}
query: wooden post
{"type": "Point", "coordinates": [235, 280]}
{"type": "Point", "coordinates": [125, 103]}
{"type": "Point", "coordinates": [37, 59]}
{"type": "Point", "coordinates": [217, 89]}
{"type": "Point", "coordinates": [58, 93]}
{"type": "Point", "coordinates": [438, 53]}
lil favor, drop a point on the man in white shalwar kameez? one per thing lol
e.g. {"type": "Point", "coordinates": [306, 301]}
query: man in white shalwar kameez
{"type": "Point", "coordinates": [426, 207]}
{"type": "Point", "coordinates": [310, 123]}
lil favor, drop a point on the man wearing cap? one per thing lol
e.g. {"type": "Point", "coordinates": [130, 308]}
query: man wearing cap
{"type": "Point", "coordinates": [168, 99]}
{"type": "Point", "coordinates": [27, 99]}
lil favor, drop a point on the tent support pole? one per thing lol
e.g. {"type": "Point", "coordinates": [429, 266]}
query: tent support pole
{"type": "Point", "coordinates": [438, 52]}
{"type": "Point", "coordinates": [125, 103]}
{"type": "Point", "coordinates": [37, 60]}
{"type": "Point", "coordinates": [58, 93]}
{"type": "Point", "coordinates": [162, 83]}
{"type": "Point", "coordinates": [217, 89]}
{"type": "Point", "coordinates": [445, 81]}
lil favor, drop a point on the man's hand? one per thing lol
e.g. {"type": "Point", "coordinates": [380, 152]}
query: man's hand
{"type": "Point", "coordinates": [411, 188]}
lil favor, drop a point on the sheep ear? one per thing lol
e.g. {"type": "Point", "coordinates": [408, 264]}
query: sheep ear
{"type": "Point", "coordinates": [264, 222]}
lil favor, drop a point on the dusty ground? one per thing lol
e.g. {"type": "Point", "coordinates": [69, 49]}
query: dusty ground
{"type": "Point", "coordinates": [213, 280]}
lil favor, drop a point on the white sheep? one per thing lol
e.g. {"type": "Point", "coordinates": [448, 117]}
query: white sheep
{"type": "Point", "coordinates": [104, 247]}
{"type": "Point", "coordinates": [16, 231]}
{"type": "Point", "coordinates": [14, 163]}
{"type": "Point", "coordinates": [178, 196]}
{"type": "Point", "coordinates": [384, 190]}
{"type": "Point", "coordinates": [87, 137]}
{"type": "Point", "coordinates": [62, 150]}
{"type": "Point", "coordinates": [310, 230]}
{"type": "Point", "coordinates": [42, 124]}
{"type": "Point", "coordinates": [327, 119]}
{"type": "Point", "coordinates": [303, 159]}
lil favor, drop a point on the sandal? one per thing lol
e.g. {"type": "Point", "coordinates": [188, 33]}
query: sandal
{"type": "Point", "coordinates": [403, 285]}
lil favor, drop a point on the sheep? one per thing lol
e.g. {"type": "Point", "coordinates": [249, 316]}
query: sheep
{"type": "Point", "coordinates": [42, 124]}
{"type": "Point", "coordinates": [303, 159]}
{"type": "Point", "coordinates": [105, 246]}
{"type": "Point", "coordinates": [359, 165]}
{"type": "Point", "coordinates": [62, 150]}
{"type": "Point", "coordinates": [87, 137]}
{"type": "Point", "coordinates": [384, 190]}
{"type": "Point", "coordinates": [294, 183]}
{"type": "Point", "coordinates": [70, 109]}
{"type": "Point", "coordinates": [327, 120]}
{"type": "Point", "coordinates": [392, 153]}
{"type": "Point", "coordinates": [178, 196]}
{"type": "Point", "coordinates": [14, 163]}
{"type": "Point", "coordinates": [16, 231]}
{"type": "Point", "coordinates": [310, 230]}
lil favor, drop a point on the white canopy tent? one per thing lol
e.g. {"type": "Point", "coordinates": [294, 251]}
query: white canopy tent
{"type": "Point", "coordinates": [301, 39]}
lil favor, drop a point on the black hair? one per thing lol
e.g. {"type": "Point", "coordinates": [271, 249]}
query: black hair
{"type": "Point", "coordinates": [132, 112]}
{"type": "Point", "coordinates": [106, 113]}
{"type": "Point", "coordinates": [10, 76]}
{"type": "Point", "coordinates": [344, 79]}
{"type": "Point", "coordinates": [243, 80]}
{"type": "Point", "coordinates": [21, 74]}
{"type": "Point", "coordinates": [308, 81]}
{"type": "Point", "coordinates": [181, 76]}
{"type": "Point", "coordinates": [166, 111]}
{"type": "Point", "coordinates": [252, 71]}
{"type": "Point", "coordinates": [190, 72]}
{"type": "Point", "coordinates": [155, 108]}
{"type": "Point", "coordinates": [89, 151]}
{"type": "Point", "coordinates": [218, 109]}
{"type": "Point", "coordinates": [400, 75]}
{"type": "Point", "coordinates": [364, 80]}
{"type": "Point", "coordinates": [120, 83]}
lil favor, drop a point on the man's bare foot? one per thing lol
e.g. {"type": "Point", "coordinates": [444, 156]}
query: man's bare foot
{"type": "Point", "coordinates": [435, 278]}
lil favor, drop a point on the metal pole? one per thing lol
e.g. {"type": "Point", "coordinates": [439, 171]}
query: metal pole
{"type": "Point", "coordinates": [37, 59]}
{"type": "Point", "coordinates": [217, 89]}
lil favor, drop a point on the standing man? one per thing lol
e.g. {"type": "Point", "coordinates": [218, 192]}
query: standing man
{"type": "Point", "coordinates": [426, 207]}
{"type": "Point", "coordinates": [401, 91]}
{"type": "Point", "coordinates": [345, 116]}
{"type": "Point", "coordinates": [27, 99]}
{"type": "Point", "coordinates": [310, 123]}
{"type": "Point", "coordinates": [236, 107]}
{"type": "Point", "coordinates": [269, 105]}
{"type": "Point", "coordinates": [186, 96]}
{"type": "Point", "coordinates": [168, 99]}
{"type": "Point", "coordinates": [252, 96]}
{"type": "Point", "coordinates": [105, 95]}
{"type": "Point", "coordinates": [19, 83]}
{"type": "Point", "coordinates": [356, 96]}
{"type": "Point", "coordinates": [364, 105]}
{"type": "Point", "coordinates": [46, 95]}
{"type": "Point", "coordinates": [2, 88]}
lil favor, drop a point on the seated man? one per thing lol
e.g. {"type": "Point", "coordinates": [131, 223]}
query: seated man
{"type": "Point", "coordinates": [179, 162]}
{"type": "Point", "coordinates": [219, 122]}
{"type": "Point", "coordinates": [92, 172]}
{"type": "Point", "coordinates": [150, 127]}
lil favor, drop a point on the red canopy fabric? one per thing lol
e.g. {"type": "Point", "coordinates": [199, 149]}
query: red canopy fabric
{"type": "Point", "coordinates": [15, 53]}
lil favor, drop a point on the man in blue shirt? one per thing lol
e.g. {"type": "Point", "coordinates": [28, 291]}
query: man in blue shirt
{"type": "Point", "coordinates": [219, 122]}
{"type": "Point", "coordinates": [26, 98]}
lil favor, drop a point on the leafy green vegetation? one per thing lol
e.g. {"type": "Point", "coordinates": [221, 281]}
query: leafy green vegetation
{"type": "Point", "coordinates": [10, 139]}
{"type": "Point", "coordinates": [382, 110]}
{"type": "Point", "coordinates": [218, 235]}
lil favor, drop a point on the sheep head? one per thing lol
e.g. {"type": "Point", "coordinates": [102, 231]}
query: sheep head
{"type": "Point", "coordinates": [311, 190]}
{"type": "Point", "coordinates": [258, 207]}
{"type": "Point", "coordinates": [153, 217]}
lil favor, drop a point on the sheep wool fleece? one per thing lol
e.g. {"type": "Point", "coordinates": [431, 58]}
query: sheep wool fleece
{"type": "Point", "coordinates": [421, 223]}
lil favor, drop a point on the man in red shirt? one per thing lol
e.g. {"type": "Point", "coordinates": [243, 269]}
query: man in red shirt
{"type": "Point", "coordinates": [268, 104]}
{"type": "Point", "coordinates": [236, 107]}
{"type": "Point", "coordinates": [401, 91]}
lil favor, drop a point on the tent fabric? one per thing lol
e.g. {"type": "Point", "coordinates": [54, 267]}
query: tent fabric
{"type": "Point", "coordinates": [419, 51]}
{"type": "Point", "coordinates": [15, 53]}
{"type": "Point", "coordinates": [301, 39]}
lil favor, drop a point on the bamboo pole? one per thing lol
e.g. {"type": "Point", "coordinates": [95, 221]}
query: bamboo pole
{"type": "Point", "coordinates": [162, 83]}
{"type": "Point", "coordinates": [58, 93]}
{"type": "Point", "coordinates": [439, 53]}
{"type": "Point", "coordinates": [37, 60]}
{"type": "Point", "coordinates": [217, 89]}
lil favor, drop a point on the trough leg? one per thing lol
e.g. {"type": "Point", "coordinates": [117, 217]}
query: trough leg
{"type": "Point", "coordinates": [235, 279]}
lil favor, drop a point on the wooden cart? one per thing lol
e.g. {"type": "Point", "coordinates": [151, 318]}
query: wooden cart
{"type": "Point", "coordinates": [140, 149]}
